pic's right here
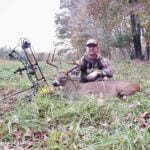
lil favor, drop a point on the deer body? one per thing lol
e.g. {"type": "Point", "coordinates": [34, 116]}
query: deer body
{"type": "Point", "coordinates": [115, 88]}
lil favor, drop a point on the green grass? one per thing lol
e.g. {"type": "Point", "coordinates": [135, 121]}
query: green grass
{"type": "Point", "coordinates": [55, 123]}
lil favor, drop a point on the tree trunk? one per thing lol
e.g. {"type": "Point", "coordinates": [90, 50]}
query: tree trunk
{"type": "Point", "coordinates": [147, 53]}
{"type": "Point", "coordinates": [136, 37]}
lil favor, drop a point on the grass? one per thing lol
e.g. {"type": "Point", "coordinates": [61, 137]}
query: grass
{"type": "Point", "coordinates": [55, 123]}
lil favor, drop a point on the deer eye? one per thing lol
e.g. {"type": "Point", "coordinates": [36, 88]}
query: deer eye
{"type": "Point", "coordinates": [64, 78]}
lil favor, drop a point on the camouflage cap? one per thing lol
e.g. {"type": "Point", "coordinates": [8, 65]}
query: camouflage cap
{"type": "Point", "coordinates": [91, 41]}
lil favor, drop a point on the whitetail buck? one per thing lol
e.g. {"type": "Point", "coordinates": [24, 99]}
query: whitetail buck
{"type": "Point", "coordinates": [114, 88]}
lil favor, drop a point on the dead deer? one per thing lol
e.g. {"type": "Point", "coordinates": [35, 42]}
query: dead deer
{"type": "Point", "coordinates": [111, 88]}
{"type": "Point", "coordinates": [114, 88]}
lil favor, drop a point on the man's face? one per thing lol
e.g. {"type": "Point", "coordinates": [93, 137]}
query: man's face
{"type": "Point", "coordinates": [91, 49]}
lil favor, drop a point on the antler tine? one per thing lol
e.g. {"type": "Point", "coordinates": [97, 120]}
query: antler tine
{"type": "Point", "coordinates": [73, 63]}
{"type": "Point", "coordinates": [72, 69]}
{"type": "Point", "coordinates": [50, 62]}
{"type": "Point", "coordinates": [53, 54]}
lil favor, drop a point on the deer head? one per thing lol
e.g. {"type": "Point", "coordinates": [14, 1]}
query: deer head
{"type": "Point", "coordinates": [63, 76]}
{"type": "Point", "coordinates": [61, 79]}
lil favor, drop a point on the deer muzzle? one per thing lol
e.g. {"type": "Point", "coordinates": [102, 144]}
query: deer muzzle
{"type": "Point", "coordinates": [55, 83]}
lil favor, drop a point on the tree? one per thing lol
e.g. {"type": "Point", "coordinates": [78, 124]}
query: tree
{"type": "Point", "coordinates": [135, 25]}
{"type": "Point", "coordinates": [103, 20]}
{"type": "Point", "coordinates": [63, 33]}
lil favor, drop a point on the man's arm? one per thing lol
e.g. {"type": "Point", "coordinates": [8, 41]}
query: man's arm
{"type": "Point", "coordinates": [105, 72]}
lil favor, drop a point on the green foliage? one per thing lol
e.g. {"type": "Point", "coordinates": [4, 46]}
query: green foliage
{"type": "Point", "coordinates": [121, 40]}
{"type": "Point", "coordinates": [52, 122]}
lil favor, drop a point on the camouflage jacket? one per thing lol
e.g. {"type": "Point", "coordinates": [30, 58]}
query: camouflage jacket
{"type": "Point", "coordinates": [87, 66]}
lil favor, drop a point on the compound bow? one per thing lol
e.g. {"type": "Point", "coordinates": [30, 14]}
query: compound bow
{"type": "Point", "coordinates": [32, 68]}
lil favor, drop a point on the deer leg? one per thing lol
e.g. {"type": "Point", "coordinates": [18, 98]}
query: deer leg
{"type": "Point", "coordinates": [125, 94]}
{"type": "Point", "coordinates": [122, 96]}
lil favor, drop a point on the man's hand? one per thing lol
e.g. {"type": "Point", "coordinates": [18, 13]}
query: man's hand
{"type": "Point", "coordinates": [93, 75]}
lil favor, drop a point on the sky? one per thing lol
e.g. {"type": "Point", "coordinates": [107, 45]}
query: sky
{"type": "Point", "coordinates": [31, 19]}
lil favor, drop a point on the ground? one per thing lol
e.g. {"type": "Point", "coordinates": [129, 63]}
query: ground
{"type": "Point", "coordinates": [48, 122]}
{"type": "Point", "coordinates": [8, 104]}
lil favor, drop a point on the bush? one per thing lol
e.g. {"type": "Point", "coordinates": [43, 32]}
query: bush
{"type": "Point", "coordinates": [121, 40]}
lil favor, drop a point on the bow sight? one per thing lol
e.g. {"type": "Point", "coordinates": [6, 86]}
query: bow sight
{"type": "Point", "coordinates": [31, 67]}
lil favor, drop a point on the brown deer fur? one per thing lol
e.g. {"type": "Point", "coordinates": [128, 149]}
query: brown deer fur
{"type": "Point", "coordinates": [113, 88]}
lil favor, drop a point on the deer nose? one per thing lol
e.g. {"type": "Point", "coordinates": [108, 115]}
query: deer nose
{"type": "Point", "coordinates": [55, 83]}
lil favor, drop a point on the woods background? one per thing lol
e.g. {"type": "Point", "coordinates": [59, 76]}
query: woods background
{"type": "Point", "coordinates": [121, 27]}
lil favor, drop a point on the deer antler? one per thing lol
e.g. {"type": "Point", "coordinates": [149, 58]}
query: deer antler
{"type": "Point", "coordinates": [50, 62]}
{"type": "Point", "coordinates": [76, 63]}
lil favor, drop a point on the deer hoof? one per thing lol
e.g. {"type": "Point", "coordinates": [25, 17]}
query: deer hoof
{"type": "Point", "coordinates": [124, 97]}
